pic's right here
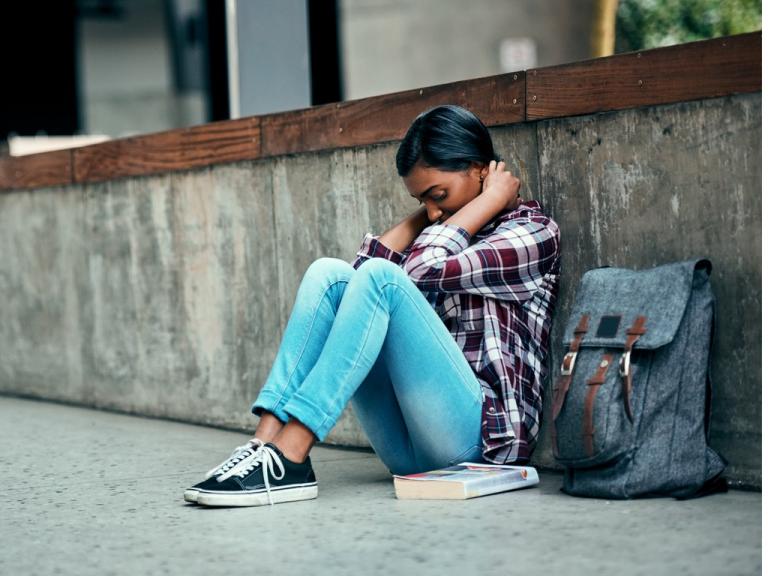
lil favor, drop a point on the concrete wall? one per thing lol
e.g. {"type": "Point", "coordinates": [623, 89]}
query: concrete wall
{"type": "Point", "coordinates": [167, 295]}
{"type": "Point", "coordinates": [644, 187]}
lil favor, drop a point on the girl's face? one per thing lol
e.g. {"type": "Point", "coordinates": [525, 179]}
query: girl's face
{"type": "Point", "coordinates": [443, 193]}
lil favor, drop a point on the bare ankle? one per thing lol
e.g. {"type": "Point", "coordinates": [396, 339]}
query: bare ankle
{"type": "Point", "coordinates": [269, 426]}
{"type": "Point", "coordinates": [295, 441]}
{"type": "Point", "coordinates": [264, 438]}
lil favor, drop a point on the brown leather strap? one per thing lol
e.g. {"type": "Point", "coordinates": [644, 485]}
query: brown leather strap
{"type": "Point", "coordinates": [634, 333]}
{"type": "Point", "coordinates": [568, 365]}
{"type": "Point", "coordinates": [566, 373]}
{"type": "Point", "coordinates": [594, 383]}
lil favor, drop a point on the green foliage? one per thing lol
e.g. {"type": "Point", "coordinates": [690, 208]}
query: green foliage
{"type": "Point", "coordinates": [642, 24]}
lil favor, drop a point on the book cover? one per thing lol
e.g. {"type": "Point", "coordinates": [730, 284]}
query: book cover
{"type": "Point", "coordinates": [465, 480]}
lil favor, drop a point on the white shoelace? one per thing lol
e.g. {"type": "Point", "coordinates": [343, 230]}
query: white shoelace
{"type": "Point", "coordinates": [237, 456]}
{"type": "Point", "coordinates": [267, 458]}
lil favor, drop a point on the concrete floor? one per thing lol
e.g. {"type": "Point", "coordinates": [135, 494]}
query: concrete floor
{"type": "Point", "coordinates": [89, 492]}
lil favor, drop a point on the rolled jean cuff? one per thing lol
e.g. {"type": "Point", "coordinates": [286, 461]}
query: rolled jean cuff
{"type": "Point", "coordinates": [309, 414]}
{"type": "Point", "coordinates": [270, 402]}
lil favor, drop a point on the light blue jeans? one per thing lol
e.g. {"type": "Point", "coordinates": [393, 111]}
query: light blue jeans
{"type": "Point", "coordinates": [369, 336]}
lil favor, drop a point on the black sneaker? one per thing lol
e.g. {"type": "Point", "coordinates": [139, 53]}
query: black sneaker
{"type": "Point", "coordinates": [238, 455]}
{"type": "Point", "coordinates": [266, 477]}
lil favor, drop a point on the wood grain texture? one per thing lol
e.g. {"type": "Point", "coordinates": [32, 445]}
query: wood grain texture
{"type": "Point", "coordinates": [495, 100]}
{"type": "Point", "coordinates": [693, 71]}
{"type": "Point", "coordinates": [698, 70]}
{"type": "Point", "coordinates": [182, 149]}
{"type": "Point", "coordinates": [36, 170]}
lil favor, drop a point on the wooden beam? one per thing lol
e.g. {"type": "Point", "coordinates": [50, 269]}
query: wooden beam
{"type": "Point", "coordinates": [36, 170]}
{"type": "Point", "coordinates": [693, 71]}
{"type": "Point", "coordinates": [495, 100]}
{"type": "Point", "coordinates": [182, 149]}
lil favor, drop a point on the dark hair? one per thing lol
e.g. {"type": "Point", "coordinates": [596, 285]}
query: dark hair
{"type": "Point", "coordinates": [446, 137]}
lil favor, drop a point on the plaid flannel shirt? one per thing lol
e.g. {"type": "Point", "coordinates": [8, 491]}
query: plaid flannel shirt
{"type": "Point", "coordinates": [495, 292]}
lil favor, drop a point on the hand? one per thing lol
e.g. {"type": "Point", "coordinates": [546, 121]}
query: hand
{"type": "Point", "coordinates": [502, 182]}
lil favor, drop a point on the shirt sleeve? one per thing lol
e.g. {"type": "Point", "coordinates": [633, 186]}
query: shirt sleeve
{"type": "Point", "coordinates": [510, 264]}
{"type": "Point", "coordinates": [372, 248]}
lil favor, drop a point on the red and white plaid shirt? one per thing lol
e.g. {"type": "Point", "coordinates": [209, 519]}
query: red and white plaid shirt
{"type": "Point", "coordinates": [495, 292]}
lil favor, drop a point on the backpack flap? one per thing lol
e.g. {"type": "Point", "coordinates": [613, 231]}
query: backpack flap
{"type": "Point", "coordinates": [614, 298]}
{"type": "Point", "coordinates": [617, 312]}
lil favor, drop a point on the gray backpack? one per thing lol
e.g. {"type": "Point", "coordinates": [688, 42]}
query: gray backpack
{"type": "Point", "coordinates": [631, 405]}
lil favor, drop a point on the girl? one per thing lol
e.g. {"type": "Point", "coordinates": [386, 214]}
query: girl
{"type": "Point", "coordinates": [437, 332]}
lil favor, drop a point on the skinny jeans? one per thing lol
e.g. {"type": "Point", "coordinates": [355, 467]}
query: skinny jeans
{"type": "Point", "coordinates": [369, 337]}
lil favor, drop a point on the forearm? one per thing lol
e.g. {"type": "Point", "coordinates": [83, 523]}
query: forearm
{"type": "Point", "coordinates": [479, 211]}
{"type": "Point", "coordinates": [400, 236]}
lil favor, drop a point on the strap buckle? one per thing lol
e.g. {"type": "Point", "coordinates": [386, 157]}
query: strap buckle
{"type": "Point", "coordinates": [624, 366]}
{"type": "Point", "coordinates": [570, 360]}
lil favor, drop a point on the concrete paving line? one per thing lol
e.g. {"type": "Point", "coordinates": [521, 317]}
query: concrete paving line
{"type": "Point", "coordinates": [346, 449]}
{"type": "Point", "coordinates": [181, 474]}
{"type": "Point", "coordinates": [99, 481]}
{"type": "Point", "coordinates": [321, 460]}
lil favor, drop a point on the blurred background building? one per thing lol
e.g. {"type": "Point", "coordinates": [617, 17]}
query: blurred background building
{"type": "Point", "coordinates": [82, 70]}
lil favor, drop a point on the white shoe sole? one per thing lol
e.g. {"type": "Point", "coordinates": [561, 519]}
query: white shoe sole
{"type": "Point", "coordinates": [257, 498]}
{"type": "Point", "coordinates": [191, 495]}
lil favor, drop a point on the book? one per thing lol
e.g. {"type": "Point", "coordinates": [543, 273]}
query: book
{"type": "Point", "coordinates": [465, 480]}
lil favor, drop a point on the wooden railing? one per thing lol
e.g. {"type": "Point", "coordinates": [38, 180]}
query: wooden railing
{"type": "Point", "coordinates": [694, 71]}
